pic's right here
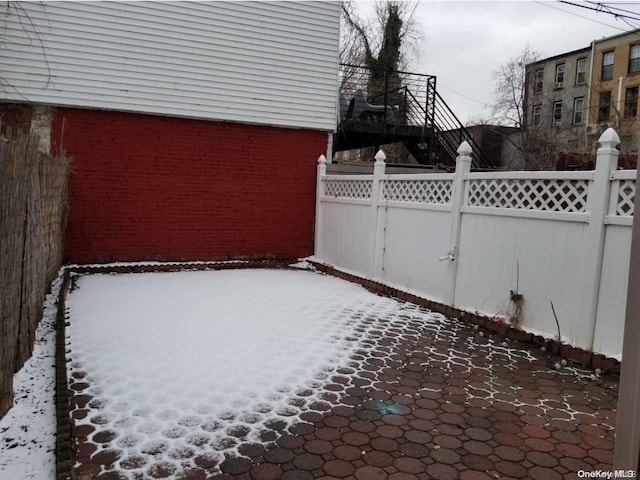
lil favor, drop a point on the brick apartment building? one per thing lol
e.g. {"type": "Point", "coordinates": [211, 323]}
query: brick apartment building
{"type": "Point", "coordinates": [573, 97]}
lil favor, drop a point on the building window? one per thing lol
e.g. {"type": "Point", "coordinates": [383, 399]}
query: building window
{"type": "Point", "coordinates": [634, 58]}
{"type": "Point", "coordinates": [578, 111]}
{"type": "Point", "coordinates": [581, 71]}
{"type": "Point", "coordinates": [607, 66]}
{"type": "Point", "coordinates": [631, 102]}
{"type": "Point", "coordinates": [539, 81]}
{"type": "Point", "coordinates": [536, 114]}
{"type": "Point", "coordinates": [557, 112]}
{"type": "Point", "coordinates": [560, 75]}
{"type": "Point", "coordinates": [604, 107]}
{"type": "Point", "coordinates": [625, 143]}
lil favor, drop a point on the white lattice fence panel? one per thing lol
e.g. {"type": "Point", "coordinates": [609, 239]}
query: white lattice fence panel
{"type": "Point", "coordinates": [348, 188]}
{"type": "Point", "coordinates": [418, 191]}
{"type": "Point", "coordinates": [553, 195]}
{"type": "Point", "coordinates": [626, 197]}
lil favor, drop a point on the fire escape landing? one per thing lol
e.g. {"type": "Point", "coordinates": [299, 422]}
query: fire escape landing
{"type": "Point", "coordinates": [384, 107]}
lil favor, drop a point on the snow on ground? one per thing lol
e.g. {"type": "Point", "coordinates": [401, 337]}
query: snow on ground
{"type": "Point", "coordinates": [304, 265]}
{"type": "Point", "coordinates": [191, 363]}
{"type": "Point", "coordinates": [175, 367]}
{"type": "Point", "coordinates": [27, 432]}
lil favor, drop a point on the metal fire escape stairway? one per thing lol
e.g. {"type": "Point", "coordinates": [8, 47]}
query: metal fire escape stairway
{"type": "Point", "coordinates": [400, 107]}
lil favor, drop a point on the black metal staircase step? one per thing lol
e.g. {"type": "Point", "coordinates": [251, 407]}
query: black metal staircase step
{"type": "Point", "coordinates": [401, 108]}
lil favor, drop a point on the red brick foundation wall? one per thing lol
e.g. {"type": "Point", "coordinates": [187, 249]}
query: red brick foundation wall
{"type": "Point", "coordinates": [156, 188]}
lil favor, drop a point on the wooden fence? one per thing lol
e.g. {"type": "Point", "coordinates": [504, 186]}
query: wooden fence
{"type": "Point", "coordinates": [33, 203]}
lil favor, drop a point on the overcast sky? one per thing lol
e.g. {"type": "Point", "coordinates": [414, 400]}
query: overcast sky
{"type": "Point", "coordinates": [464, 42]}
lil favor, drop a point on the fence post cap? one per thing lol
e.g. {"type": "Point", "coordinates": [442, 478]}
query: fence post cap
{"type": "Point", "coordinates": [322, 159]}
{"type": "Point", "coordinates": [464, 149]}
{"type": "Point", "coordinates": [609, 138]}
{"type": "Point", "coordinates": [380, 156]}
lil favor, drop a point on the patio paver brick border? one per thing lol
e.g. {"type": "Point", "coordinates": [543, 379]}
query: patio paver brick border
{"type": "Point", "coordinates": [64, 442]}
{"type": "Point", "coordinates": [65, 458]}
{"type": "Point", "coordinates": [64, 451]}
{"type": "Point", "coordinates": [569, 352]}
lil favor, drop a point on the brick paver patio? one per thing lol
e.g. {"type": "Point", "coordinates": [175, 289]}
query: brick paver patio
{"type": "Point", "coordinates": [425, 402]}
{"type": "Point", "coordinates": [417, 421]}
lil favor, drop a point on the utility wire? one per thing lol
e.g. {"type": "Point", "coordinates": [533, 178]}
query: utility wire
{"type": "Point", "coordinates": [611, 7]}
{"type": "Point", "coordinates": [599, 10]}
{"type": "Point", "coordinates": [485, 104]}
{"type": "Point", "coordinates": [607, 9]}
{"type": "Point", "coordinates": [635, 27]}
{"type": "Point", "coordinates": [581, 16]}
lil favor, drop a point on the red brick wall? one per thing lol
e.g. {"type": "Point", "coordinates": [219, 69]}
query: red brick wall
{"type": "Point", "coordinates": [156, 188]}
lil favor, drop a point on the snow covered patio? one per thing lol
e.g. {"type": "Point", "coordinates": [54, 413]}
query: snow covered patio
{"type": "Point", "coordinates": [266, 374]}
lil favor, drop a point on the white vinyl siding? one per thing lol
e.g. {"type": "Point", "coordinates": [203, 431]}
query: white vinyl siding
{"type": "Point", "coordinates": [270, 63]}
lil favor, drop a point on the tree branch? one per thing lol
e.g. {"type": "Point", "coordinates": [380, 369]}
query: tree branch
{"type": "Point", "coordinates": [354, 22]}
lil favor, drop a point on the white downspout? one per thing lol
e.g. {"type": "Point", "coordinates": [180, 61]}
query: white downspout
{"type": "Point", "coordinates": [591, 75]}
{"type": "Point", "coordinates": [589, 87]}
{"type": "Point", "coordinates": [619, 108]}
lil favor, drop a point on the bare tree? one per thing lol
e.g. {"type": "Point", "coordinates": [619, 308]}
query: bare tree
{"type": "Point", "coordinates": [510, 86]}
{"type": "Point", "coordinates": [538, 148]}
{"type": "Point", "coordinates": [549, 143]}
{"type": "Point", "coordinates": [525, 148]}
{"type": "Point", "coordinates": [387, 41]}
{"type": "Point", "coordinates": [382, 44]}
{"type": "Point", "coordinates": [530, 147]}
{"type": "Point", "coordinates": [28, 32]}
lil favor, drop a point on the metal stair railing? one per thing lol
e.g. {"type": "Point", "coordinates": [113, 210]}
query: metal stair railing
{"type": "Point", "coordinates": [452, 133]}
{"type": "Point", "coordinates": [410, 99]}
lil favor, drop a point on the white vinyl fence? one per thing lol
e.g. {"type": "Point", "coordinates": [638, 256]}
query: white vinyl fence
{"type": "Point", "coordinates": [561, 240]}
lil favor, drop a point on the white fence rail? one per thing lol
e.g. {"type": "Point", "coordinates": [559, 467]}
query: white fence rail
{"type": "Point", "coordinates": [559, 239]}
